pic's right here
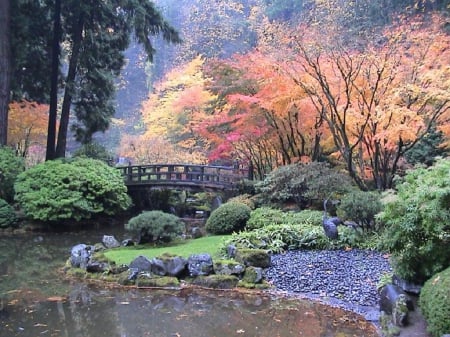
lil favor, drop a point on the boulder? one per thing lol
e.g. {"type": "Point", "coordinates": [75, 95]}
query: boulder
{"type": "Point", "coordinates": [228, 267]}
{"type": "Point", "coordinates": [217, 281]}
{"type": "Point", "coordinates": [253, 275]}
{"type": "Point", "coordinates": [97, 267]}
{"type": "Point", "coordinates": [80, 255]}
{"type": "Point", "coordinates": [395, 302]}
{"type": "Point", "coordinates": [144, 281]}
{"type": "Point", "coordinates": [168, 265]}
{"type": "Point", "coordinates": [110, 241]}
{"type": "Point", "coordinates": [200, 264]}
{"type": "Point", "coordinates": [141, 263]}
{"type": "Point", "coordinates": [253, 257]}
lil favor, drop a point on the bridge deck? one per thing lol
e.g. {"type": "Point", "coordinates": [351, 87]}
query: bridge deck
{"type": "Point", "coordinates": [180, 175]}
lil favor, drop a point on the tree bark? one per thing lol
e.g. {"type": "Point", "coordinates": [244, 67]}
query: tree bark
{"type": "Point", "coordinates": [68, 92]}
{"type": "Point", "coordinates": [51, 132]}
{"type": "Point", "coordinates": [5, 68]}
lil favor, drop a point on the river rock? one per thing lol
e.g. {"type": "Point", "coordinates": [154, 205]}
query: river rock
{"type": "Point", "coordinates": [80, 255]}
{"type": "Point", "coordinates": [97, 267]}
{"type": "Point", "coordinates": [200, 264]}
{"type": "Point", "coordinates": [110, 241]}
{"type": "Point", "coordinates": [141, 263]}
{"type": "Point", "coordinates": [168, 265]}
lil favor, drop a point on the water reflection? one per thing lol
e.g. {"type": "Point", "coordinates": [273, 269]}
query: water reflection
{"type": "Point", "coordinates": [89, 312]}
{"type": "Point", "coordinates": [36, 302]}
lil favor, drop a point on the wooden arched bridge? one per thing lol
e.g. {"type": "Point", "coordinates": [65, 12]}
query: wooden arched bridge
{"type": "Point", "coordinates": [184, 176]}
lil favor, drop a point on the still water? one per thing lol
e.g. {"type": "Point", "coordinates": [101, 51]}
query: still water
{"type": "Point", "coordinates": [35, 300]}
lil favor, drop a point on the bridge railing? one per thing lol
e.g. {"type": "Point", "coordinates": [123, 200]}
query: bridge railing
{"type": "Point", "coordinates": [160, 174]}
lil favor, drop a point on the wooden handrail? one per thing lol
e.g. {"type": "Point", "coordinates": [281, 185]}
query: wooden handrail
{"type": "Point", "coordinates": [180, 174]}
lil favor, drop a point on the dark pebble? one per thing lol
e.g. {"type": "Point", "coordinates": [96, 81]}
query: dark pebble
{"type": "Point", "coordinates": [346, 278]}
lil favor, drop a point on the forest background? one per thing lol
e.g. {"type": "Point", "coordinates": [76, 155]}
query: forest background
{"type": "Point", "coordinates": [362, 84]}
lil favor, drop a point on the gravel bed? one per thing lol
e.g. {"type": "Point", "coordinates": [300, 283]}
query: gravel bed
{"type": "Point", "coordinates": [347, 279]}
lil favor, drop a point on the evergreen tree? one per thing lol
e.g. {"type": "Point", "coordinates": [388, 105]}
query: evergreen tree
{"type": "Point", "coordinates": [99, 33]}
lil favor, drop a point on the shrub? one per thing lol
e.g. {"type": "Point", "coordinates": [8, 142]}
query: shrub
{"type": "Point", "coordinates": [244, 199]}
{"type": "Point", "coordinates": [434, 301]}
{"type": "Point", "coordinates": [8, 217]}
{"type": "Point", "coordinates": [280, 237]}
{"type": "Point", "coordinates": [155, 226]}
{"type": "Point", "coordinates": [76, 189]}
{"type": "Point", "coordinates": [264, 216]}
{"type": "Point", "coordinates": [417, 231]}
{"type": "Point", "coordinates": [10, 166]}
{"type": "Point", "coordinates": [227, 218]}
{"type": "Point", "coordinates": [361, 207]}
{"type": "Point", "coordinates": [304, 184]}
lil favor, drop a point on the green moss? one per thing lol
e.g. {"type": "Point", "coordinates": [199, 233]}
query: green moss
{"type": "Point", "coordinates": [216, 281]}
{"type": "Point", "coordinates": [249, 285]}
{"type": "Point", "coordinates": [253, 257]}
{"type": "Point", "coordinates": [435, 303]}
{"type": "Point", "coordinates": [160, 282]}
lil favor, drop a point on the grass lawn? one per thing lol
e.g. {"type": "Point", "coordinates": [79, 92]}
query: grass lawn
{"type": "Point", "coordinates": [206, 244]}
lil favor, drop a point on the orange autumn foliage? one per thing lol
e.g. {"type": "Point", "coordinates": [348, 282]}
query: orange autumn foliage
{"type": "Point", "coordinates": [27, 126]}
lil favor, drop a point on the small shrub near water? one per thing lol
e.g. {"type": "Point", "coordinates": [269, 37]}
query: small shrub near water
{"type": "Point", "coordinates": [435, 303]}
{"type": "Point", "coordinates": [10, 167]}
{"type": "Point", "coordinates": [228, 218]}
{"type": "Point", "coordinates": [156, 226]}
{"type": "Point", "coordinates": [71, 190]}
{"type": "Point", "coordinates": [8, 217]}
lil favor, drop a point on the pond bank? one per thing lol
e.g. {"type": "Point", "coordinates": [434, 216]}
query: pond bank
{"type": "Point", "coordinates": [345, 279]}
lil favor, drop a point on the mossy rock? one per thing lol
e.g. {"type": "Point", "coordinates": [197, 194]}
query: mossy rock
{"type": "Point", "coordinates": [144, 281]}
{"type": "Point", "coordinates": [124, 279]}
{"type": "Point", "coordinates": [434, 301]}
{"type": "Point", "coordinates": [259, 286]}
{"type": "Point", "coordinates": [228, 267]}
{"type": "Point", "coordinates": [216, 281]}
{"type": "Point", "coordinates": [253, 275]}
{"type": "Point", "coordinates": [253, 257]}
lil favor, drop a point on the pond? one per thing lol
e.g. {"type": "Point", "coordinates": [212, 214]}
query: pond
{"type": "Point", "coordinates": [35, 300]}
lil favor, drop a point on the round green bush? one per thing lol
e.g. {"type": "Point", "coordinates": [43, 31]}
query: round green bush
{"type": "Point", "coordinates": [434, 301]}
{"type": "Point", "coordinates": [8, 217]}
{"type": "Point", "coordinates": [10, 166]}
{"type": "Point", "coordinates": [228, 218]}
{"type": "Point", "coordinates": [416, 219]}
{"type": "Point", "coordinates": [71, 190]}
{"type": "Point", "coordinates": [155, 226]}
{"type": "Point", "coordinates": [361, 207]}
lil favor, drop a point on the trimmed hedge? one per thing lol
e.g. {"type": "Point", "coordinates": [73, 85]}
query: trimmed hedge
{"type": "Point", "coordinates": [434, 301]}
{"type": "Point", "coordinates": [8, 217]}
{"type": "Point", "coordinates": [71, 189]}
{"type": "Point", "coordinates": [156, 226]}
{"type": "Point", "coordinates": [228, 218]}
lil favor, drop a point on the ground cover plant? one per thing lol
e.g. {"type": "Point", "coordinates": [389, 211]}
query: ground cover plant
{"type": "Point", "coordinates": [207, 244]}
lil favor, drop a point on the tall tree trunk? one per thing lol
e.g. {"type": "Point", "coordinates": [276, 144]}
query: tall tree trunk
{"type": "Point", "coordinates": [52, 116]}
{"type": "Point", "coordinates": [68, 92]}
{"type": "Point", "coordinates": [5, 68]}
